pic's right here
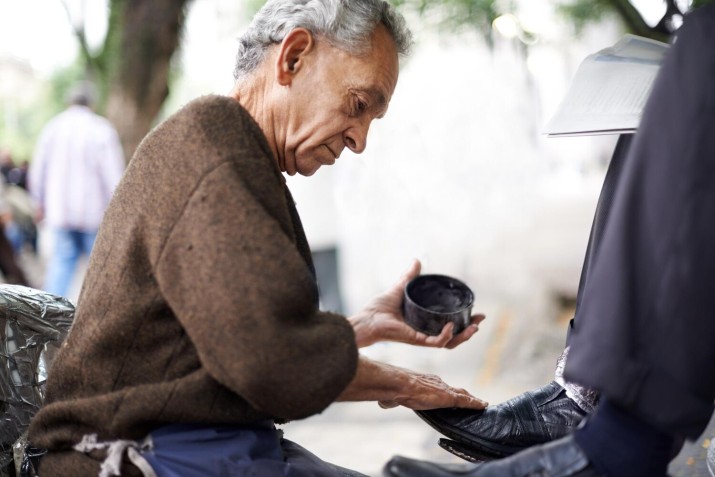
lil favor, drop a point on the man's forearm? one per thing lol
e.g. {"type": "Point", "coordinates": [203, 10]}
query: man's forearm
{"type": "Point", "coordinates": [392, 386]}
{"type": "Point", "coordinates": [375, 381]}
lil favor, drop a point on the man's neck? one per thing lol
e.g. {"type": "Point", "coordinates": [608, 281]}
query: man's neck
{"type": "Point", "coordinates": [254, 98]}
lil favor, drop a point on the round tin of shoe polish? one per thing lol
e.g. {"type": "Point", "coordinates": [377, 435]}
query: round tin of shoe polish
{"type": "Point", "coordinates": [432, 301]}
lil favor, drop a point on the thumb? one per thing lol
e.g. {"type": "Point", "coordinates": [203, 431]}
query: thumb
{"type": "Point", "coordinates": [412, 271]}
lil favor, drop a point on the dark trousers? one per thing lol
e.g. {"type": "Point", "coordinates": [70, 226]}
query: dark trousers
{"type": "Point", "coordinates": [645, 329]}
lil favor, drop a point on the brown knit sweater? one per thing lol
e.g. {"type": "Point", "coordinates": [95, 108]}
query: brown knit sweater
{"type": "Point", "coordinates": [200, 302]}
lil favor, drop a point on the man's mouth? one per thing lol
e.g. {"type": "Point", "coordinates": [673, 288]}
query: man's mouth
{"type": "Point", "coordinates": [333, 157]}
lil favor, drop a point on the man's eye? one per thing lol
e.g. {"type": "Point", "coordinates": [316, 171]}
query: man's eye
{"type": "Point", "coordinates": [360, 106]}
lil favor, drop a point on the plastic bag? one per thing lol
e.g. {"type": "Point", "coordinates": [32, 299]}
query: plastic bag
{"type": "Point", "coordinates": [27, 459]}
{"type": "Point", "coordinates": [33, 325]}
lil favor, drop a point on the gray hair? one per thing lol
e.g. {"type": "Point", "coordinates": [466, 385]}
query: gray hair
{"type": "Point", "coordinates": [82, 93]}
{"type": "Point", "coordinates": [345, 24]}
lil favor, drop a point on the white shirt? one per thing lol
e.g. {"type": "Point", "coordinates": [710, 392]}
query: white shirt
{"type": "Point", "coordinates": [77, 164]}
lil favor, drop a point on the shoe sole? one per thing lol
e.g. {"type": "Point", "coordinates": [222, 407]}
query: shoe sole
{"type": "Point", "coordinates": [466, 452]}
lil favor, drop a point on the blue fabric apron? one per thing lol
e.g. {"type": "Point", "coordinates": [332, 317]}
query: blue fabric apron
{"type": "Point", "coordinates": [255, 451]}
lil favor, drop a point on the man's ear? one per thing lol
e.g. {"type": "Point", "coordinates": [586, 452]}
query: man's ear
{"type": "Point", "coordinates": [291, 53]}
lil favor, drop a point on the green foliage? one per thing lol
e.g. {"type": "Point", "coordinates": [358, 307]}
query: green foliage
{"type": "Point", "coordinates": [480, 14]}
{"type": "Point", "coordinates": [100, 64]}
{"type": "Point", "coordinates": [252, 6]}
{"type": "Point", "coordinates": [582, 12]}
{"type": "Point", "coordinates": [60, 84]}
{"type": "Point", "coordinates": [477, 14]}
{"type": "Point", "coordinates": [19, 139]}
{"type": "Point", "coordinates": [20, 125]}
{"type": "Point", "coordinates": [20, 134]}
{"type": "Point", "coordinates": [454, 15]}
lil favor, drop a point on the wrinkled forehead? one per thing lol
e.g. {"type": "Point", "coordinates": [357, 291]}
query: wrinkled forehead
{"type": "Point", "coordinates": [379, 67]}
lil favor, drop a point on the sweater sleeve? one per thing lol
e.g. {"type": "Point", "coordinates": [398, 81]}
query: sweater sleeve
{"type": "Point", "coordinates": [246, 299]}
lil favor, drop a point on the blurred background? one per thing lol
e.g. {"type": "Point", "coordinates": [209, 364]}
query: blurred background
{"type": "Point", "coordinates": [458, 174]}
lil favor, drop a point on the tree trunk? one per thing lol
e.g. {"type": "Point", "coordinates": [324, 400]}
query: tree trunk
{"type": "Point", "coordinates": [146, 34]}
{"type": "Point", "coordinates": [635, 23]}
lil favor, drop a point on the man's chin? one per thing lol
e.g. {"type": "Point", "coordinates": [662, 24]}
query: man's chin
{"type": "Point", "coordinates": [309, 169]}
{"type": "Point", "coordinates": [309, 172]}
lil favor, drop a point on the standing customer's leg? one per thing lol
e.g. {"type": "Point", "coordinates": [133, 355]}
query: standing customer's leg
{"type": "Point", "coordinates": [649, 347]}
{"type": "Point", "coordinates": [652, 352]}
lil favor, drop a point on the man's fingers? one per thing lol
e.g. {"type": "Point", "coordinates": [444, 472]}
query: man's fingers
{"type": "Point", "coordinates": [468, 332]}
{"type": "Point", "coordinates": [441, 340]}
{"type": "Point", "coordinates": [470, 402]}
{"type": "Point", "coordinates": [478, 318]}
{"type": "Point", "coordinates": [387, 404]}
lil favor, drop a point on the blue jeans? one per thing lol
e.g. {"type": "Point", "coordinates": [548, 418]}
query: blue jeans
{"type": "Point", "coordinates": [69, 246]}
{"type": "Point", "coordinates": [15, 235]}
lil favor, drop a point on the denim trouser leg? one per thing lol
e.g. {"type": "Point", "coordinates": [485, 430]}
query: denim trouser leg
{"type": "Point", "coordinates": [15, 235]}
{"type": "Point", "coordinates": [68, 247]}
{"type": "Point", "coordinates": [87, 241]}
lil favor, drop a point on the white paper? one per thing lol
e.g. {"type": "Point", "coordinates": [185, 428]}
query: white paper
{"type": "Point", "coordinates": [609, 90]}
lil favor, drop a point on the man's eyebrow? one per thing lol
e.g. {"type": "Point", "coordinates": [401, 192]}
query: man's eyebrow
{"type": "Point", "coordinates": [379, 97]}
{"type": "Point", "coordinates": [380, 101]}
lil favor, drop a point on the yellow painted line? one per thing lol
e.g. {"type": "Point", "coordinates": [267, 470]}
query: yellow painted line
{"type": "Point", "coordinates": [493, 354]}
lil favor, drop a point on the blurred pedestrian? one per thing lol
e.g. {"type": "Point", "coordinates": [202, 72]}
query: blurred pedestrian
{"type": "Point", "coordinates": [9, 266]}
{"type": "Point", "coordinates": [18, 174]}
{"type": "Point", "coordinates": [6, 163]}
{"type": "Point", "coordinates": [77, 164]}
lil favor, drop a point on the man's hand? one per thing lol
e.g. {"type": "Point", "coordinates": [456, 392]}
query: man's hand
{"type": "Point", "coordinates": [382, 320]}
{"type": "Point", "coordinates": [391, 386]}
{"type": "Point", "coordinates": [428, 391]}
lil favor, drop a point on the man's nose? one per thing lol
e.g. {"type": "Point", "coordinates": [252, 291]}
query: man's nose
{"type": "Point", "coordinates": [355, 137]}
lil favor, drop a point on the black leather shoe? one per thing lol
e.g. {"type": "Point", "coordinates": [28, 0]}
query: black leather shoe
{"type": "Point", "coordinates": [400, 466]}
{"type": "Point", "coordinates": [529, 419]}
{"type": "Point", "coordinates": [560, 458]}
{"type": "Point", "coordinates": [466, 452]}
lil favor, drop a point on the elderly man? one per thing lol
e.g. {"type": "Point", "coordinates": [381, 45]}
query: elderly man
{"type": "Point", "coordinates": [197, 327]}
